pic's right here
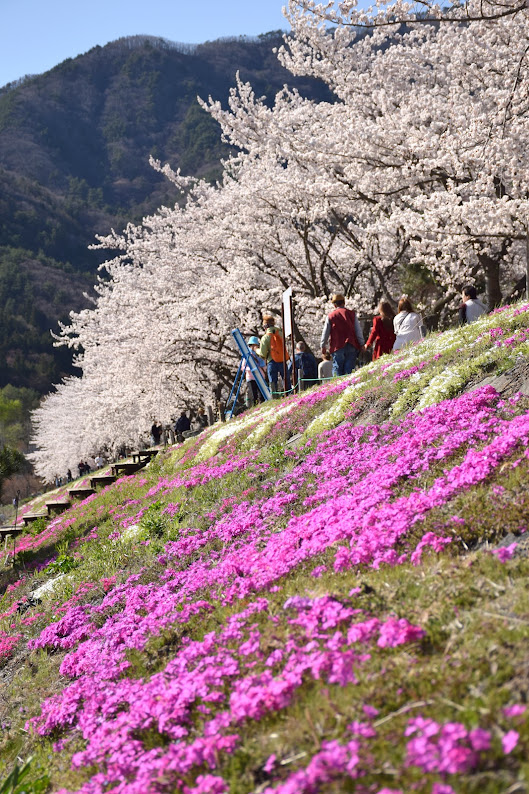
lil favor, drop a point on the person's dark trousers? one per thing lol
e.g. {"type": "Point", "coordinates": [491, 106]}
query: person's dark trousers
{"type": "Point", "coordinates": [254, 393]}
{"type": "Point", "coordinates": [344, 360]}
{"type": "Point", "coordinates": [275, 368]}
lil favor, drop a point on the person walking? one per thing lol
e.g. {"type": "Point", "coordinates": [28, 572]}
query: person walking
{"type": "Point", "coordinates": [182, 425]}
{"type": "Point", "coordinates": [253, 393]}
{"type": "Point", "coordinates": [201, 418]}
{"type": "Point", "coordinates": [344, 334]}
{"type": "Point", "coordinates": [306, 366]}
{"type": "Point", "coordinates": [472, 307]}
{"type": "Point", "coordinates": [156, 433]}
{"type": "Point", "coordinates": [325, 367]}
{"type": "Point", "coordinates": [408, 325]}
{"type": "Point", "coordinates": [382, 333]}
{"type": "Point", "coordinates": [272, 350]}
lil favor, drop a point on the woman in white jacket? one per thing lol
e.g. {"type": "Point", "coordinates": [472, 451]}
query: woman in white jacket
{"type": "Point", "coordinates": [408, 325]}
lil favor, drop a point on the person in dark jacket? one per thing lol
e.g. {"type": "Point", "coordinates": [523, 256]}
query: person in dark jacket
{"type": "Point", "coordinates": [181, 425]}
{"type": "Point", "coordinates": [382, 333]}
{"type": "Point", "coordinates": [306, 366]}
{"type": "Point", "coordinates": [344, 334]}
{"type": "Point", "coordinates": [156, 433]}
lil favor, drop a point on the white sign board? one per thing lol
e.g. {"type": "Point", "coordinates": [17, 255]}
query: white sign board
{"type": "Point", "coordinates": [287, 312]}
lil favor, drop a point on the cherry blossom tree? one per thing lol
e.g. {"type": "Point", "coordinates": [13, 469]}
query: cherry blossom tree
{"type": "Point", "coordinates": [419, 161]}
{"type": "Point", "coordinates": [443, 108]}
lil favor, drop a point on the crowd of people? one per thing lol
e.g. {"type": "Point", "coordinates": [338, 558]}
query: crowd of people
{"type": "Point", "coordinates": [342, 343]}
{"type": "Point", "coordinates": [159, 434]}
{"type": "Point", "coordinates": [179, 429]}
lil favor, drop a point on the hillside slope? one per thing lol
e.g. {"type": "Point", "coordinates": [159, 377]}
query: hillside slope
{"type": "Point", "coordinates": [327, 594]}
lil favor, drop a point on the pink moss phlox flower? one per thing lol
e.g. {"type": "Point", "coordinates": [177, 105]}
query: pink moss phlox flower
{"type": "Point", "coordinates": [397, 632]}
{"type": "Point", "coordinates": [67, 632]}
{"type": "Point", "coordinates": [432, 541]}
{"type": "Point", "coordinates": [448, 748]}
{"type": "Point", "coordinates": [516, 710]}
{"type": "Point", "coordinates": [11, 587]}
{"type": "Point", "coordinates": [330, 763]}
{"type": "Point", "coordinates": [7, 644]}
{"type": "Point", "coordinates": [208, 784]}
{"type": "Point", "coordinates": [270, 763]}
{"type": "Point", "coordinates": [362, 729]}
{"type": "Point", "coordinates": [509, 741]}
{"type": "Point", "coordinates": [370, 711]}
{"type": "Point", "coordinates": [479, 739]}
{"type": "Point", "coordinates": [505, 553]}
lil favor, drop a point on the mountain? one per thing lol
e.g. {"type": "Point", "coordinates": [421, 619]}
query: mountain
{"type": "Point", "coordinates": [74, 161]}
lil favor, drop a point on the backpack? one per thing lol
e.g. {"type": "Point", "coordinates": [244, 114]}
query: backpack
{"type": "Point", "coordinates": [276, 346]}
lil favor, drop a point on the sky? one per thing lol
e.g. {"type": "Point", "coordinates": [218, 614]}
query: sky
{"type": "Point", "coordinates": [36, 35]}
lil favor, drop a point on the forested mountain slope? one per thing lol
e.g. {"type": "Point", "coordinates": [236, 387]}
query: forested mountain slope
{"type": "Point", "coordinates": [74, 161]}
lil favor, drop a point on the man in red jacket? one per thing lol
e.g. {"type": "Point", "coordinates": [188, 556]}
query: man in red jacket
{"type": "Point", "coordinates": [346, 338]}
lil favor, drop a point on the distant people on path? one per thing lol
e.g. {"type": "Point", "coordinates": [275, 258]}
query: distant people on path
{"type": "Point", "coordinates": [325, 367]}
{"type": "Point", "coordinates": [182, 425]}
{"type": "Point", "coordinates": [156, 433]}
{"type": "Point", "coordinates": [408, 325]}
{"type": "Point", "coordinates": [272, 351]}
{"type": "Point", "coordinates": [99, 461]}
{"type": "Point", "coordinates": [307, 369]}
{"type": "Point", "coordinates": [472, 307]}
{"type": "Point", "coordinates": [343, 332]}
{"type": "Point", "coordinates": [253, 393]}
{"type": "Point", "coordinates": [69, 477]}
{"type": "Point", "coordinates": [201, 418]}
{"type": "Point", "coordinates": [382, 333]}
{"type": "Point", "coordinates": [83, 468]}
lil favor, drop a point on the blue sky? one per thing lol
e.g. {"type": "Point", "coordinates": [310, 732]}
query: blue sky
{"type": "Point", "coordinates": [36, 35]}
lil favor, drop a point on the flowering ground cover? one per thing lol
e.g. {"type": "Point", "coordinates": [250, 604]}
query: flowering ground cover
{"type": "Point", "coordinates": [336, 614]}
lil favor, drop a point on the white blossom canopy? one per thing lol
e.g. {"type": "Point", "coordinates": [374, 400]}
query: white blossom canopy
{"type": "Point", "coordinates": [420, 161]}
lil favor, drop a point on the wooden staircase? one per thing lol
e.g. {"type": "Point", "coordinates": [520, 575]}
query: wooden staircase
{"type": "Point", "coordinates": [57, 506]}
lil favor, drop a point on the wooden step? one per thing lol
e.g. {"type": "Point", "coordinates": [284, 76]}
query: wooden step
{"type": "Point", "coordinates": [55, 508]}
{"type": "Point", "coordinates": [101, 480]}
{"type": "Point", "coordinates": [29, 518]}
{"type": "Point", "coordinates": [126, 467]}
{"type": "Point", "coordinates": [80, 493]}
{"type": "Point", "coordinates": [12, 530]}
{"type": "Point", "coordinates": [144, 453]}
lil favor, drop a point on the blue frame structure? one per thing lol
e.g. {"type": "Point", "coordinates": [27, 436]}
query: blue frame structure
{"type": "Point", "coordinates": [246, 357]}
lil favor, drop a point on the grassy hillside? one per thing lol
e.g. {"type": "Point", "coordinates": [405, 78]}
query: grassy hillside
{"type": "Point", "coordinates": [327, 594]}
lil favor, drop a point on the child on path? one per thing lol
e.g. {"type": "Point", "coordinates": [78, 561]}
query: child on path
{"type": "Point", "coordinates": [325, 367]}
{"type": "Point", "coordinates": [253, 393]}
